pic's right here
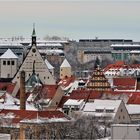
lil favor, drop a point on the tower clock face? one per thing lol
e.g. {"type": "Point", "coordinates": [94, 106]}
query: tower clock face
{"type": "Point", "coordinates": [33, 50]}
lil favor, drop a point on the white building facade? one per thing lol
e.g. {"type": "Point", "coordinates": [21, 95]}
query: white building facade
{"type": "Point", "coordinates": [8, 64]}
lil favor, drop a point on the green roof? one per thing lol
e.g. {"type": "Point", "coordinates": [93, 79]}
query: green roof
{"type": "Point", "coordinates": [33, 81]}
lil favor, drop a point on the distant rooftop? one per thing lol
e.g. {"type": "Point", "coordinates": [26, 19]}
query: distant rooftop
{"type": "Point", "coordinates": [105, 40]}
{"type": "Point", "coordinates": [9, 54]}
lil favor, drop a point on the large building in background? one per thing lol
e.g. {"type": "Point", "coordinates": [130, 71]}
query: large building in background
{"type": "Point", "coordinates": [125, 51]}
{"type": "Point", "coordinates": [117, 49]}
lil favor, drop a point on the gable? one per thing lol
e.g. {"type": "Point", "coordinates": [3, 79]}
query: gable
{"type": "Point", "coordinates": [122, 115]}
{"type": "Point", "coordinates": [40, 67]}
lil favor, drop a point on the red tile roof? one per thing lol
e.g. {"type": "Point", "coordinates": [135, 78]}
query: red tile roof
{"type": "Point", "coordinates": [116, 65]}
{"type": "Point", "coordinates": [7, 86]}
{"type": "Point", "coordinates": [48, 91]}
{"type": "Point", "coordinates": [134, 98]}
{"type": "Point", "coordinates": [26, 114]}
{"type": "Point", "coordinates": [63, 100]}
{"type": "Point", "coordinates": [120, 64]}
{"type": "Point", "coordinates": [85, 94]}
{"type": "Point", "coordinates": [124, 83]}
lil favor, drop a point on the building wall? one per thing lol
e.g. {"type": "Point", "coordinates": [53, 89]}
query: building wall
{"type": "Point", "coordinates": [8, 68]}
{"type": "Point", "coordinates": [65, 72]}
{"type": "Point", "coordinates": [122, 115]}
{"type": "Point", "coordinates": [125, 131]}
{"type": "Point", "coordinates": [91, 57]}
{"type": "Point", "coordinates": [56, 99]}
{"type": "Point", "coordinates": [40, 68]}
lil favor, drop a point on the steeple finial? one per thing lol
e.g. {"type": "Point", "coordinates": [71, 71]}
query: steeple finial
{"type": "Point", "coordinates": [33, 34]}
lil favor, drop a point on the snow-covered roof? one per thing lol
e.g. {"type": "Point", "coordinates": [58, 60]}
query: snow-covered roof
{"type": "Point", "coordinates": [73, 102]}
{"type": "Point", "coordinates": [65, 63]}
{"type": "Point", "coordinates": [8, 54]}
{"type": "Point", "coordinates": [48, 64]}
{"type": "Point", "coordinates": [13, 103]}
{"type": "Point", "coordinates": [49, 44]}
{"type": "Point", "coordinates": [104, 104]}
{"type": "Point", "coordinates": [55, 51]}
{"type": "Point", "coordinates": [52, 41]}
{"type": "Point", "coordinates": [133, 109]}
{"type": "Point", "coordinates": [42, 120]}
{"type": "Point", "coordinates": [125, 45]}
{"type": "Point", "coordinates": [135, 51]}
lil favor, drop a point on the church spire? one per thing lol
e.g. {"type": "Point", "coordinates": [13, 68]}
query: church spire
{"type": "Point", "coordinates": [34, 36]}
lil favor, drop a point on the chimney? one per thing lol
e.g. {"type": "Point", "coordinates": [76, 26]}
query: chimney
{"type": "Point", "coordinates": [22, 91]}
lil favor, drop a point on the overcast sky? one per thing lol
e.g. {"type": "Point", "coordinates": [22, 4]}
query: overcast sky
{"type": "Point", "coordinates": [74, 19]}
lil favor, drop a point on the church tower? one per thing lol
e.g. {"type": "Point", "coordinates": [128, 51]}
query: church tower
{"type": "Point", "coordinates": [33, 58]}
{"type": "Point", "coordinates": [34, 36]}
{"type": "Point", "coordinates": [65, 69]}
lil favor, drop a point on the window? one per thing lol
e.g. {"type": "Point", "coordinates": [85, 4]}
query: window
{"type": "Point", "coordinates": [99, 110]}
{"type": "Point", "coordinates": [13, 62]}
{"type": "Point", "coordinates": [48, 77]}
{"type": "Point", "coordinates": [121, 110]}
{"type": "Point", "coordinates": [4, 62]}
{"type": "Point", "coordinates": [137, 129]}
{"type": "Point", "coordinates": [8, 62]}
{"type": "Point", "coordinates": [44, 77]}
{"type": "Point", "coordinates": [109, 110]}
{"type": "Point", "coordinates": [8, 75]}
